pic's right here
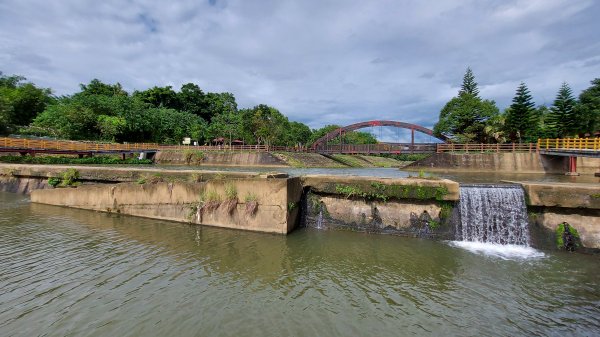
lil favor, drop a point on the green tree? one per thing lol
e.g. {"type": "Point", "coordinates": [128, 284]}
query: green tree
{"type": "Point", "coordinates": [96, 87]}
{"type": "Point", "coordinates": [160, 97]}
{"type": "Point", "coordinates": [521, 120]}
{"type": "Point", "coordinates": [588, 109]}
{"type": "Point", "coordinates": [561, 121]}
{"type": "Point", "coordinates": [297, 134]}
{"type": "Point", "coordinates": [217, 103]}
{"type": "Point", "coordinates": [193, 100]}
{"type": "Point", "coordinates": [469, 86]}
{"type": "Point", "coordinates": [464, 118]}
{"type": "Point", "coordinates": [20, 102]}
{"type": "Point", "coordinates": [229, 126]}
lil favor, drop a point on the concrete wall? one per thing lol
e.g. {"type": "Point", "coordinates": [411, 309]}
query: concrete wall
{"type": "Point", "coordinates": [188, 202]}
{"type": "Point", "coordinates": [25, 178]}
{"type": "Point", "coordinates": [504, 162]}
{"type": "Point", "coordinates": [221, 159]}
{"type": "Point", "coordinates": [411, 207]}
{"type": "Point", "coordinates": [577, 204]}
{"type": "Point", "coordinates": [498, 162]}
{"type": "Point", "coordinates": [588, 165]}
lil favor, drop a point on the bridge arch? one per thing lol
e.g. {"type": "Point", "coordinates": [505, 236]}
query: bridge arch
{"type": "Point", "coordinates": [412, 127]}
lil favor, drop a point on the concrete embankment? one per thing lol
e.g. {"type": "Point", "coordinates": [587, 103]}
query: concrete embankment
{"type": "Point", "coordinates": [410, 207]}
{"type": "Point", "coordinates": [503, 162]}
{"type": "Point", "coordinates": [549, 204]}
{"type": "Point", "coordinates": [271, 159]}
{"type": "Point", "coordinates": [25, 178]}
{"type": "Point", "coordinates": [255, 204]}
{"type": "Point", "coordinates": [274, 202]}
{"type": "Point", "coordinates": [225, 158]}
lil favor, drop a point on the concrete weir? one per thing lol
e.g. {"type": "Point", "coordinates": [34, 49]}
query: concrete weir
{"type": "Point", "coordinates": [276, 203]}
{"type": "Point", "coordinates": [223, 203]}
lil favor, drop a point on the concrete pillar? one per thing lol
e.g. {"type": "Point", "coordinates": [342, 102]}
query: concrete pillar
{"type": "Point", "coordinates": [572, 166]}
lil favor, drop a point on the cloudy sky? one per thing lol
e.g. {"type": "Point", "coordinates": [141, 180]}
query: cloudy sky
{"type": "Point", "coordinates": [318, 62]}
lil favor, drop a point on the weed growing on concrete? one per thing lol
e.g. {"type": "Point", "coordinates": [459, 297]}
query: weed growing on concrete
{"type": "Point", "coordinates": [230, 191]}
{"type": "Point", "coordinates": [424, 175]}
{"type": "Point", "coordinates": [192, 156]}
{"type": "Point", "coordinates": [348, 190]}
{"type": "Point", "coordinates": [354, 191]}
{"type": "Point", "coordinates": [251, 201]}
{"type": "Point", "coordinates": [560, 230]}
{"type": "Point", "coordinates": [195, 178]}
{"type": "Point", "coordinates": [231, 196]}
{"type": "Point", "coordinates": [211, 200]}
{"type": "Point", "coordinates": [53, 181]}
{"type": "Point", "coordinates": [69, 178]}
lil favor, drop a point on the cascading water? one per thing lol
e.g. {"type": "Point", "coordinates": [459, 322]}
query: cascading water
{"type": "Point", "coordinates": [493, 214]}
{"type": "Point", "coordinates": [493, 221]}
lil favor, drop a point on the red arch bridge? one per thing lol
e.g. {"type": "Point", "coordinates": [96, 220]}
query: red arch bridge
{"type": "Point", "coordinates": [322, 145]}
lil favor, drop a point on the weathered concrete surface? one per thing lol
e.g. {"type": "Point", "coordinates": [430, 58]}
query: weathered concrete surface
{"type": "Point", "coordinates": [221, 159]}
{"type": "Point", "coordinates": [566, 195]}
{"type": "Point", "coordinates": [577, 204]}
{"type": "Point", "coordinates": [587, 222]}
{"type": "Point", "coordinates": [21, 185]}
{"type": "Point", "coordinates": [587, 165]}
{"type": "Point", "coordinates": [403, 217]}
{"type": "Point", "coordinates": [412, 207]}
{"type": "Point", "coordinates": [407, 188]}
{"type": "Point", "coordinates": [189, 202]}
{"type": "Point", "coordinates": [504, 162]}
{"type": "Point", "coordinates": [108, 174]}
{"type": "Point", "coordinates": [300, 159]}
{"type": "Point", "coordinates": [497, 162]}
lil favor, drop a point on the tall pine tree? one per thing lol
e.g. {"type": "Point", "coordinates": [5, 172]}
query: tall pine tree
{"type": "Point", "coordinates": [521, 119]}
{"type": "Point", "coordinates": [463, 119]}
{"type": "Point", "coordinates": [562, 121]}
{"type": "Point", "coordinates": [469, 86]}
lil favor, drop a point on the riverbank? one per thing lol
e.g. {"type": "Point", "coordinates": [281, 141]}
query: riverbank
{"type": "Point", "coordinates": [274, 202]}
{"type": "Point", "coordinates": [193, 157]}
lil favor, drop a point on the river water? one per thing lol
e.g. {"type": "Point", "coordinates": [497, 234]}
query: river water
{"type": "Point", "coordinates": [67, 272]}
{"type": "Point", "coordinates": [461, 177]}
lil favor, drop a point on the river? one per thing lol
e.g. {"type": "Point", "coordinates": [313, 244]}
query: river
{"type": "Point", "coordinates": [461, 177]}
{"type": "Point", "coordinates": [67, 272]}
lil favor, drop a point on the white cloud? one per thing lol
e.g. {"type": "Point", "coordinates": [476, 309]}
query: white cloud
{"type": "Point", "coordinates": [318, 62]}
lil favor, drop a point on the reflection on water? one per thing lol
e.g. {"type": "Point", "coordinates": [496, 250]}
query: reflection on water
{"type": "Point", "coordinates": [68, 272]}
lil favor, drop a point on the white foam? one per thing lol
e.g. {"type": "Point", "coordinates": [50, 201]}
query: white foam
{"type": "Point", "coordinates": [506, 252]}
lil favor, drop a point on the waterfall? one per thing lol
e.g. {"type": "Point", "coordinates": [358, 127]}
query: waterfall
{"type": "Point", "coordinates": [493, 214]}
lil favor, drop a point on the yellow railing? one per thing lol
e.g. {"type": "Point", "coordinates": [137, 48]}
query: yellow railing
{"type": "Point", "coordinates": [569, 144]}
{"type": "Point", "coordinates": [483, 148]}
{"type": "Point", "coordinates": [64, 145]}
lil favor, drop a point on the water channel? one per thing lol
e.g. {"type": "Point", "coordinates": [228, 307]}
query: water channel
{"type": "Point", "coordinates": [67, 272]}
{"type": "Point", "coordinates": [462, 177]}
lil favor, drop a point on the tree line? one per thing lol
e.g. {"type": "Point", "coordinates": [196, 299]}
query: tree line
{"type": "Point", "coordinates": [106, 112]}
{"type": "Point", "coordinates": [468, 118]}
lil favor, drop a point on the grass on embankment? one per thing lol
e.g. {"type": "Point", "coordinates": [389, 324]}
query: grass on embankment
{"type": "Point", "coordinates": [105, 160]}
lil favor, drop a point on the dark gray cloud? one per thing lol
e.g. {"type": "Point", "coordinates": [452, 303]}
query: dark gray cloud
{"type": "Point", "coordinates": [319, 62]}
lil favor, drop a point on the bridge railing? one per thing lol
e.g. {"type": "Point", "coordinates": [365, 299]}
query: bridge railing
{"type": "Point", "coordinates": [377, 148]}
{"type": "Point", "coordinates": [240, 148]}
{"type": "Point", "coordinates": [483, 148]}
{"type": "Point", "coordinates": [64, 145]}
{"type": "Point", "coordinates": [569, 144]}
